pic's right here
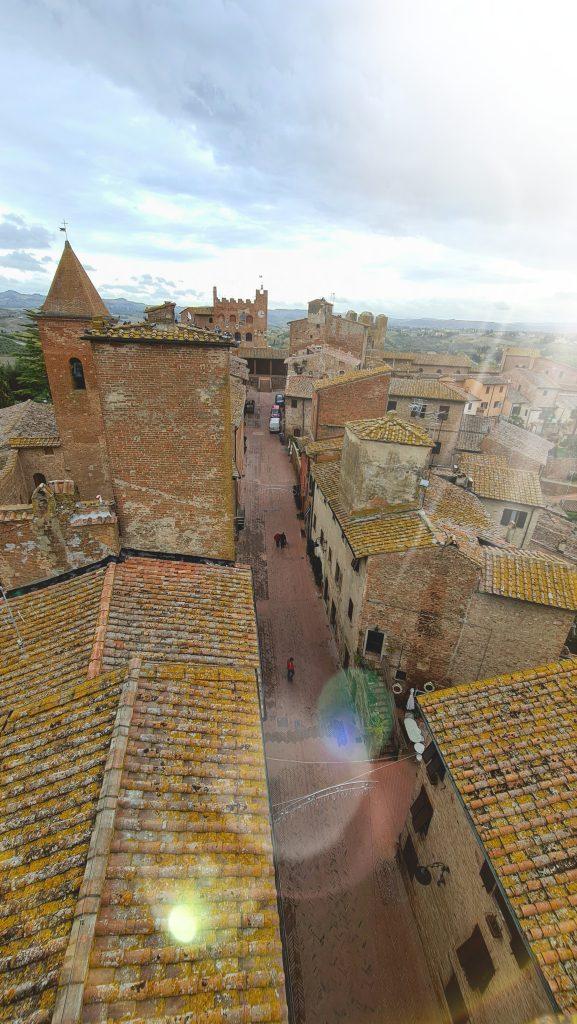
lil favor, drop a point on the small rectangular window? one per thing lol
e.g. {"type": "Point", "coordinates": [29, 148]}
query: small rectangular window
{"type": "Point", "coordinates": [518, 947]}
{"type": "Point", "coordinates": [436, 447]}
{"type": "Point", "coordinates": [487, 389]}
{"type": "Point", "coordinates": [487, 877]}
{"type": "Point", "coordinates": [443, 413]}
{"type": "Point", "coordinates": [350, 610]}
{"type": "Point", "coordinates": [520, 519]}
{"type": "Point", "coordinates": [391, 405]}
{"type": "Point", "coordinates": [506, 517]}
{"type": "Point", "coordinates": [338, 574]}
{"type": "Point", "coordinates": [516, 410]}
{"type": "Point", "coordinates": [422, 813]}
{"type": "Point", "coordinates": [455, 1002]}
{"type": "Point", "coordinates": [374, 641]}
{"type": "Point", "coordinates": [475, 959]}
{"type": "Point", "coordinates": [433, 764]}
{"type": "Point", "coordinates": [294, 403]}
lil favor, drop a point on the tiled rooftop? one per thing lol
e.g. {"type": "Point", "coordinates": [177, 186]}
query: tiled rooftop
{"type": "Point", "coordinates": [473, 429]}
{"type": "Point", "coordinates": [530, 578]}
{"type": "Point", "coordinates": [441, 359]}
{"type": "Point", "coordinates": [493, 478]}
{"type": "Point", "coordinates": [325, 446]}
{"type": "Point", "coordinates": [35, 442]}
{"type": "Point", "coordinates": [378, 532]}
{"type": "Point", "coordinates": [425, 387]}
{"type": "Point", "coordinates": [53, 750]}
{"type": "Point", "coordinates": [352, 375]}
{"type": "Point", "coordinates": [28, 421]}
{"type": "Point", "coordinates": [299, 386]}
{"type": "Point", "coordinates": [523, 441]}
{"type": "Point", "coordinates": [191, 836]}
{"type": "Point", "coordinates": [237, 400]}
{"type": "Point", "coordinates": [391, 428]}
{"type": "Point", "coordinates": [509, 744]}
{"type": "Point", "coordinates": [101, 330]}
{"type": "Point", "coordinates": [448, 502]}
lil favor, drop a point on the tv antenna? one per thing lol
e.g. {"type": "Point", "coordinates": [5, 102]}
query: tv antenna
{"type": "Point", "coordinates": [64, 228]}
{"type": "Point", "coordinates": [260, 282]}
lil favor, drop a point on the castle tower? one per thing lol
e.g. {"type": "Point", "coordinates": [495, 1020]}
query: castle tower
{"type": "Point", "coordinates": [71, 304]}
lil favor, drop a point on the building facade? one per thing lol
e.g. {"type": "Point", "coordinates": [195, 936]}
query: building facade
{"type": "Point", "coordinates": [245, 319]}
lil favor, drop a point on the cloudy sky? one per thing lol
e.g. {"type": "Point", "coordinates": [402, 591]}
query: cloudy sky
{"type": "Point", "coordinates": [417, 157]}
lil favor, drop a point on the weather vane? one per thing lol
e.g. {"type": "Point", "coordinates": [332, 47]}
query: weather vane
{"type": "Point", "coordinates": [64, 228]}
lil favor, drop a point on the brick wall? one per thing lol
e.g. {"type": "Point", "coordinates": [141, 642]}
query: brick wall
{"type": "Point", "coordinates": [166, 413]}
{"type": "Point", "coordinates": [47, 461]}
{"type": "Point", "coordinates": [560, 469]}
{"type": "Point", "coordinates": [352, 400]}
{"type": "Point", "coordinates": [298, 421]}
{"type": "Point", "coordinates": [12, 485]}
{"type": "Point", "coordinates": [504, 635]}
{"type": "Point", "coordinates": [443, 431]}
{"type": "Point", "coordinates": [419, 600]}
{"type": "Point", "coordinates": [447, 914]}
{"type": "Point", "coordinates": [39, 542]}
{"type": "Point", "coordinates": [340, 333]}
{"type": "Point", "coordinates": [78, 412]}
{"type": "Point", "coordinates": [246, 319]}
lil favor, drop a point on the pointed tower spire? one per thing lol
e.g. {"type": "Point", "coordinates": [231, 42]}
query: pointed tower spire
{"type": "Point", "coordinates": [72, 294]}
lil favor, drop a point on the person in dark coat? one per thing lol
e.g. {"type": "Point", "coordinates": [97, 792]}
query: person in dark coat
{"type": "Point", "coordinates": [277, 539]}
{"type": "Point", "coordinates": [283, 540]}
{"type": "Point", "coordinates": [290, 669]}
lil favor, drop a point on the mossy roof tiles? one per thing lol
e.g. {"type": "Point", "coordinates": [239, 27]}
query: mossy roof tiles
{"type": "Point", "coordinates": [53, 751]}
{"type": "Point", "coordinates": [509, 744]}
{"type": "Point", "coordinates": [351, 377]}
{"type": "Point", "coordinates": [373, 533]}
{"type": "Point", "coordinates": [448, 502]}
{"type": "Point", "coordinates": [299, 386]}
{"type": "Point", "coordinates": [528, 577]}
{"type": "Point", "coordinates": [493, 478]}
{"type": "Point", "coordinates": [391, 428]}
{"type": "Point", "coordinates": [425, 387]}
{"type": "Point", "coordinates": [192, 831]}
{"type": "Point", "coordinates": [161, 333]}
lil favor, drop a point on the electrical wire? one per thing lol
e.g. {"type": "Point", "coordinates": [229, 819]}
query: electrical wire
{"type": "Point", "coordinates": [340, 785]}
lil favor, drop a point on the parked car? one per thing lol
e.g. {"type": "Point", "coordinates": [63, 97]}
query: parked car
{"type": "Point", "coordinates": [274, 425]}
{"type": "Point", "coordinates": [249, 405]}
{"type": "Point", "coordinates": [275, 410]}
{"type": "Point", "coordinates": [279, 398]}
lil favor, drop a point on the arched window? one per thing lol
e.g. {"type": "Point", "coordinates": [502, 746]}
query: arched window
{"type": "Point", "coordinates": [77, 374]}
{"type": "Point", "coordinates": [248, 336]}
{"type": "Point", "coordinates": [38, 479]}
{"type": "Point", "coordinates": [248, 318]}
{"type": "Point", "coordinates": [232, 318]}
{"type": "Point", "coordinates": [237, 335]}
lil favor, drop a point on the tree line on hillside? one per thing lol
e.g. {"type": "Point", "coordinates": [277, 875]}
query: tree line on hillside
{"type": "Point", "coordinates": [26, 377]}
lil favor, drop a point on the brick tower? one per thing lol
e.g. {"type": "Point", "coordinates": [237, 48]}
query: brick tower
{"type": "Point", "coordinates": [71, 304]}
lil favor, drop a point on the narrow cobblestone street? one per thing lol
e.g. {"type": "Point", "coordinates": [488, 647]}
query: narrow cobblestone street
{"type": "Point", "coordinates": [353, 951]}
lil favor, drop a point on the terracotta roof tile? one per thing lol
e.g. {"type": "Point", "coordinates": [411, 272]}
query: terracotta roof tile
{"type": "Point", "coordinates": [529, 577]}
{"type": "Point", "coordinates": [72, 293]}
{"type": "Point", "coordinates": [162, 333]}
{"type": "Point", "coordinates": [391, 428]}
{"type": "Point", "coordinates": [523, 441]}
{"type": "Point", "coordinates": [27, 420]}
{"type": "Point", "coordinates": [325, 446]}
{"type": "Point", "coordinates": [442, 359]}
{"type": "Point", "coordinates": [448, 502]}
{"type": "Point", "coordinates": [509, 744]}
{"type": "Point", "coordinates": [299, 386]}
{"type": "Point", "coordinates": [493, 478]}
{"type": "Point", "coordinates": [53, 751]}
{"type": "Point", "coordinates": [425, 387]}
{"type": "Point", "coordinates": [352, 375]}
{"type": "Point", "coordinates": [377, 533]}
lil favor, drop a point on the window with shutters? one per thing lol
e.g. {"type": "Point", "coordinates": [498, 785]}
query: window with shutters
{"type": "Point", "coordinates": [443, 413]}
{"type": "Point", "coordinates": [475, 959]}
{"type": "Point", "coordinates": [518, 948]}
{"type": "Point", "coordinates": [455, 1002]}
{"type": "Point", "coordinates": [422, 813]}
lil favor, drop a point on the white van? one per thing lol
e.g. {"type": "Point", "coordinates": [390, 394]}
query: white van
{"type": "Point", "coordinates": [274, 425]}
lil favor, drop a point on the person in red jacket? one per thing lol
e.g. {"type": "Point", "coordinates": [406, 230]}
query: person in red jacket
{"type": "Point", "coordinates": [290, 669]}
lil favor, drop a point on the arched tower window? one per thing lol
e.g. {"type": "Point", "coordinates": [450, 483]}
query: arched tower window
{"type": "Point", "coordinates": [248, 318]}
{"type": "Point", "coordinates": [77, 374]}
{"type": "Point", "coordinates": [232, 318]}
{"type": "Point", "coordinates": [237, 335]}
{"type": "Point", "coordinates": [248, 336]}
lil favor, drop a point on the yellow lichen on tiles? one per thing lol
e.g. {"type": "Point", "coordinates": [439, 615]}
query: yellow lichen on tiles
{"type": "Point", "coordinates": [527, 577]}
{"type": "Point", "coordinates": [510, 744]}
{"type": "Point", "coordinates": [391, 428]}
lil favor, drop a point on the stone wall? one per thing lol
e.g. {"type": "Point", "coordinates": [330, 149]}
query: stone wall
{"type": "Point", "coordinates": [298, 420]}
{"type": "Point", "coordinates": [167, 421]}
{"type": "Point", "coordinates": [348, 335]}
{"type": "Point", "coordinates": [13, 490]}
{"type": "Point", "coordinates": [501, 634]}
{"type": "Point", "coordinates": [245, 319]}
{"type": "Point", "coordinates": [47, 461]}
{"type": "Point", "coordinates": [380, 474]}
{"type": "Point", "coordinates": [344, 401]}
{"type": "Point", "coordinates": [444, 432]}
{"type": "Point", "coordinates": [50, 537]}
{"type": "Point", "coordinates": [560, 469]}
{"type": "Point", "coordinates": [517, 460]}
{"type": "Point", "coordinates": [447, 914]}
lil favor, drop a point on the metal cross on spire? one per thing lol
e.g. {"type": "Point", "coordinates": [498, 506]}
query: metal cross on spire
{"type": "Point", "coordinates": [64, 228]}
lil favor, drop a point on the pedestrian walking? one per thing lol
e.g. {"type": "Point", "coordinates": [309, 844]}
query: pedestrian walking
{"type": "Point", "coordinates": [277, 539]}
{"type": "Point", "coordinates": [283, 540]}
{"type": "Point", "coordinates": [290, 669]}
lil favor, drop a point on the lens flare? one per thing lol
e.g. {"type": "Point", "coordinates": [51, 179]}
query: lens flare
{"type": "Point", "coordinates": [182, 923]}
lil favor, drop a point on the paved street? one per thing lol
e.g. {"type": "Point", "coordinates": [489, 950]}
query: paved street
{"type": "Point", "coordinates": [353, 951]}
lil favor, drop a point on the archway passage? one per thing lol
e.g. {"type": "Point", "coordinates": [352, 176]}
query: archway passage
{"type": "Point", "coordinates": [38, 478]}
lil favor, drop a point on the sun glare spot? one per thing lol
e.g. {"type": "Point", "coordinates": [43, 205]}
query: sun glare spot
{"type": "Point", "coordinates": [182, 923]}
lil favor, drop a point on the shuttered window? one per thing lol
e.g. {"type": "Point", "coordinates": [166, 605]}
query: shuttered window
{"type": "Point", "coordinates": [410, 858]}
{"type": "Point", "coordinates": [475, 959]}
{"type": "Point", "coordinates": [434, 765]}
{"type": "Point", "coordinates": [455, 1002]}
{"type": "Point", "coordinates": [422, 813]}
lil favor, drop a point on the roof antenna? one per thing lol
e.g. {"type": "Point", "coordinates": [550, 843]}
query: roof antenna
{"type": "Point", "coordinates": [64, 228]}
{"type": "Point", "coordinates": [19, 639]}
{"type": "Point", "coordinates": [260, 281]}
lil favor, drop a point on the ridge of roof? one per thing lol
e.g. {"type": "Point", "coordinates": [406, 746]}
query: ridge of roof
{"type": "Point", "coordinates": [426, 387]}
{"type": "Point", "coordinates": [352, 375]}
{"type": "Point", "coordinates": [72, 294]}
{"type": "Point", "coordinates": [391, 428]}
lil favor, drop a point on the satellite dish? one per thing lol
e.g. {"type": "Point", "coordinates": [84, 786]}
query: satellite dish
{"type": "Point", "coordinates": [423, 875]}
{"type": "Point", "coordinates": [429, 687]}
{"type": "Point", "coordinates": [397, 688]}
